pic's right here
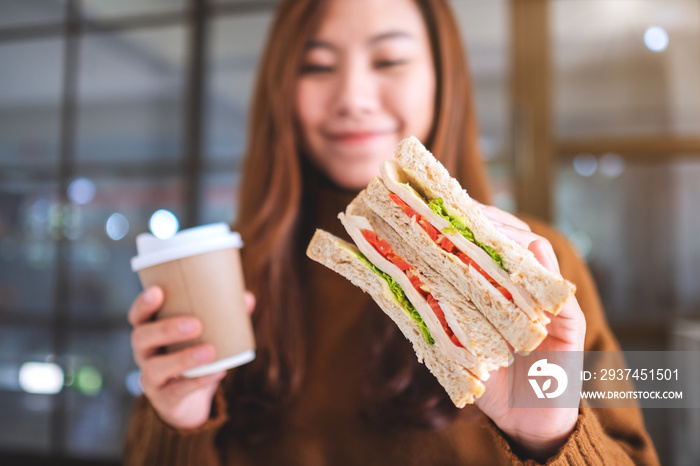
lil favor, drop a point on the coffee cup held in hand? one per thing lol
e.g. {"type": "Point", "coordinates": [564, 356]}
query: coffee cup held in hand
{"type": "Point", "coordinates": [199, 270]}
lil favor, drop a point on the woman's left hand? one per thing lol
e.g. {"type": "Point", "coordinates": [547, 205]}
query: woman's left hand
{"type": "Point", "coordinates": [539, 432]}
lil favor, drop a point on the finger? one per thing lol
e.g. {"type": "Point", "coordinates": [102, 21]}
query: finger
{"type": "Point", "coordinates": [569, 326]}
{"type": "Point", "coordinates": [497, 215]}
{"type": "Point", "coordinates": [158, 370]}
{"type": "Point", "coordinates": [145, 305]}
{"type": "Point", "coordinates": [249, 299]}
{"type": "Point", "coordinates": [544, 253]}
{"type": "Point", "coordinates": [539, 246]}
{"type": "Point", "coordinates": [523, 237]}
{"type": "Point", "coordinates": [179, 389]}
{"type": "Point", "coordinates": [147, 338]}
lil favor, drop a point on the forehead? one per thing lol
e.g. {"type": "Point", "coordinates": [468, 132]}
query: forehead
{"type": "Point", "coordinates": [353, 21]}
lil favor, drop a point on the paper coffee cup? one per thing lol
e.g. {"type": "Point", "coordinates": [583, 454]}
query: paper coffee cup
{"type": "Point", "coordinates": [199, 270]}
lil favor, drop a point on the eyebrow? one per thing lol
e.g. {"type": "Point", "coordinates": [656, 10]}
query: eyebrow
{"type": "Point", "coordinates": [390, 35]}
{"type": "Point", "coordinates": [322, 44]}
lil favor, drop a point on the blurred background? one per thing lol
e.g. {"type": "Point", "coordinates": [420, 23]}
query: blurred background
{"type": "Point", "coordinates": [120, 116]}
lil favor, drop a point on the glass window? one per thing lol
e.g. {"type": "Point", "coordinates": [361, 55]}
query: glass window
{"type": "Point", "coordinates": [484, 25]}
{"type": "Point", "coordinates": [686, 241]}
{"type": "Point", "coordinates": [30, 98]}
{"type": "Point", "coordinates": [637, 226]}
{"type": "Point", "coordinates": [131, 97]}
{"type": "Point", "coordinates": [97, 399]}
{"type": "Point", "coordinates": [30, 222]}
{"type": "Point", "coordinates": [26, 417]}
{"type": "Point", "coordinates": [236, 45]}
{"type": "Point", "coordinates": [626, 70]}
{"type": "Point", "coordinates": [220, 199]}
{"type": "Point", "coordinates": [110, 9]}
{"type": "Point", "coordinates": [31, 12]}
{"type": "Point", "coordinates": [104, 240]}
{"type": "Point", "coordinates": [613, 77]}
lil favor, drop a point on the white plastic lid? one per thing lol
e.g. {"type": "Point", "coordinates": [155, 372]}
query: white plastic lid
{"type": "Point", "coordinates": [192, 241]}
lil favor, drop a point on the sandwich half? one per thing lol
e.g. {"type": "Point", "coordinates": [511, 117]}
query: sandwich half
{"type": "Point", "coordinates": [462, 386]}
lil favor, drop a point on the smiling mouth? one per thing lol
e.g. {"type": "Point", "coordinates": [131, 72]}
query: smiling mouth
{"type": "Point", "coordinates": [357, 137]}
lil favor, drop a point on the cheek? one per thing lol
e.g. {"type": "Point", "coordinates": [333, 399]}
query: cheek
{"type": "Point", "coordinates": [414, 103]}
{"type": "Point", "coordinates": [308, 108]}
{"type": "Point", "coordinates": [302, 106]}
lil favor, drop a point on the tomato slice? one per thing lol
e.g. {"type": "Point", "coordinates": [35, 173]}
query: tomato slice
{"type": "Point", "coordinates": [399, 262]}
{"type": "Point", "coordinates": [506, 294]}
{"type": "Point", "coordinates": [429, 229]}
{"type": "Point", "coordinates": [448, 245]}
{"type": "Point", "coordinates": [406, 208]}
{"type": "Point", "coordinates": [380, 245]}
{"type": "Point", "coordinates": [435, 306]}
{"type": "Point", "coordinates": [415, 281]}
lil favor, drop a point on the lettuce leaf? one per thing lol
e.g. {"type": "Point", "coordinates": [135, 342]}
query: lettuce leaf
{"type": "Point", "coordinates": [459, 223]}
{"type": "Point", "coordinates": [401, 298]}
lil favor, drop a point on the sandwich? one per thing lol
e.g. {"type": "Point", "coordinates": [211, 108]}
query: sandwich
{"type": "Point", "coordinates": [461, 292]}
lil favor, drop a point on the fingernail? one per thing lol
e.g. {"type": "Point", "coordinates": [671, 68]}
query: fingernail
{"type": "Point", "coordinates": [187, 325]}
{"type": "Point", "coordinates": [202, 354]}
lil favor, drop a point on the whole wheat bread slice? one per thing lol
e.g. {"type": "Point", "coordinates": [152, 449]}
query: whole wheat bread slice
{"type": "Point", "coordinates": [341, 257]}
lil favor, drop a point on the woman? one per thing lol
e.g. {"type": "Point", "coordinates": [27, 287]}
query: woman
{"type": "Point", "coordinates": [334, 382]}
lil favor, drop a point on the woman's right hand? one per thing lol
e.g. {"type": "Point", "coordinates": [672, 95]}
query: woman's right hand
{"type": "Point", "coordinates": [179, 401]}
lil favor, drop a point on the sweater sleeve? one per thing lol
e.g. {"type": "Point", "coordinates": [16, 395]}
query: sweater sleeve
{"type": "Point", "coordinates": [589, 444]}
{"type": "Point", "coordinates": [150, 441]}
{"type": "Point", "coordinates": [601, 435]}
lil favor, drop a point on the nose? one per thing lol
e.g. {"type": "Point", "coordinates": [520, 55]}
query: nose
{"type": "Point", "coordinates": [357, 92]}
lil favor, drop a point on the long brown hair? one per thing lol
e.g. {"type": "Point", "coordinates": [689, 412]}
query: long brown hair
{"type": "Point", "coordinates": [270, 212]}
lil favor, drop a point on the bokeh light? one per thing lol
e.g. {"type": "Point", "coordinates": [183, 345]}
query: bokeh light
{"type": "Point", "coordinates": [117, 226]}
{"type": "Point", "coordinates": [585, 164]}
{"type": "Point", "coordinates": [81, 191]}
{"type": "Point", "coordinates": [41, 377]}
{"type": "Point", "coordinates": [163, 224]}
{"type": "Point", "coordinates": [133, 383]}
{"type": "Point", "coordinates": [88, 380]}
{"type": "Point", "coordinates": [612, 165]}
{"type": "Point", "coordinates": [656, 39]}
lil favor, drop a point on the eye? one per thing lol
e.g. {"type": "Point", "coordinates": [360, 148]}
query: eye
{"type": "Point", "coordinates": [315, 69]}
{"type": "Point", "coordinates": [389, 63]}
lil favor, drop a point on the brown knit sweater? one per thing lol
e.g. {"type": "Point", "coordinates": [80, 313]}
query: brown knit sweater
{"type": "Point", "coordinates": [324, 428]}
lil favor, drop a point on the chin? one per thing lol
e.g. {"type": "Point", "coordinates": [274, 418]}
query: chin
{"type": "Point", "coordinates": [353, 180]}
